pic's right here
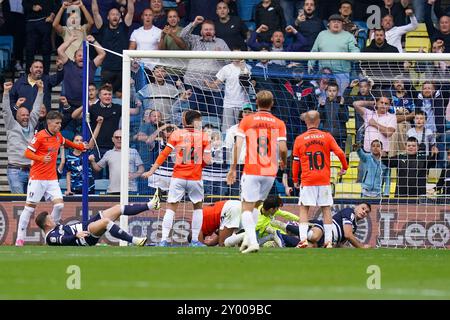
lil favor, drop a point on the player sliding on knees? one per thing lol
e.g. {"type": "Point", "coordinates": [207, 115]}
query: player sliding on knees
{"type": "Point", "coordinates": [312, 152]}
{"type": "Point", "coordinates": [345, 224]}
{"type": "Point", "coordinates": [192, 150]}
{"type": "Point", "coordinates": [90, 232]}
{"type": "Point", "coordinates": [43, 150]}
{"type": "Point", "coordinates": [264, 134]}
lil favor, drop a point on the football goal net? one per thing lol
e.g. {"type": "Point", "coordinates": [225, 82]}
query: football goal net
{"type": "Point", "coordinates": [389, 113]}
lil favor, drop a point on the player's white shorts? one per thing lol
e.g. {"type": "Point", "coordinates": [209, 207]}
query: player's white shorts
{"type": "Point", "coordinates": [231, 215]}
{"type": "Point", "coordinates": [49, 189]}
{"type": "Point", "coordinates": [179, 187]}
{"type": "Point", "coordinates": [316, 196]}
{"type": "Point", "coordinates": [255, 188]}
{"type": "Point", "coordinates": [159, 181]}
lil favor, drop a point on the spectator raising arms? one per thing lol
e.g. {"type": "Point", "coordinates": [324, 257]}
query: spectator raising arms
{"type": "Point", "coordinates": [73, 25]}
{"type": "Point", "coordinates": [335, 39]}
{"type": "Point", "coordinates": [113, 36]}
{"type": "Point", "coordinates": [19, 132]}
{"type": "Point", "coordinates": [24, 87]}
{"type": "Point", "coordinates": [73, 69]}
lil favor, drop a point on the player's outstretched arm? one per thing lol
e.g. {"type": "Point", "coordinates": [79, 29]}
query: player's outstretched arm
{"type": "Point", "coordinates": [98, 126]}
{"type": "Point", "coordinates": [283, 151]}
{"type": "Point", "coordinates": [78, 146]}
{"type": "Point", "coordinates": [96, 13]}
{"type": "Point", "coordinates": [211, 240]}
{"type": "Point", "coordinates": [159, 161]}
{"type": "Point", "coordinates": [348, 234]}
{"type": "Point", "coordinates": [296, 162]}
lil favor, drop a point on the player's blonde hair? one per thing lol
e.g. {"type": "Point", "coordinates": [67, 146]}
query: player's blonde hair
{"type": "Point", "coordinates": [264, 99]}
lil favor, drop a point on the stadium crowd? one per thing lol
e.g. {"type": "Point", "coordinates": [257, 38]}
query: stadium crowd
{"type": "Point", "coordinates": [383, 112]}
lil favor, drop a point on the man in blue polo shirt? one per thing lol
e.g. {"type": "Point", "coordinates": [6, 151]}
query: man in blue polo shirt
{"type": "Point", "coordinates": [25, 86]}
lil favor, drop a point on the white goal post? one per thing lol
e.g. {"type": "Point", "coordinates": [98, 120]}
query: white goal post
{"type": "Point", "coordinates": [129, 55]}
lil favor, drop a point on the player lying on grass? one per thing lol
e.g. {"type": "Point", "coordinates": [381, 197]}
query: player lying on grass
{"type": "Point", "coordinates": [89, 233]}
{"type": "Point", "coordinates": [267, 225]}
{"type": "Point", "coordinates": [220, 220]}
{"type": "Point", "coordinates": [344, 228]}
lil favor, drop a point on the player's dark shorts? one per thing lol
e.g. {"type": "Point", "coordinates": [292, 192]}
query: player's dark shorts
{"type": "Point", "coordinates": [91, 240]}
{"type": "Point", "coordinates": [318, 224]}
{"type": "Point", "coordinates": [292, 228]}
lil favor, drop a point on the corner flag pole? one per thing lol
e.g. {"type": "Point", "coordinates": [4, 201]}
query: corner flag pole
{"type": "Point", "coordinates": [86, 134]}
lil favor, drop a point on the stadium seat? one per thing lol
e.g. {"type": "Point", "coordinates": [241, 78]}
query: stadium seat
{"type": "Point", "coordinates": [413, 44]}
{"type": "Point", "coordinates": [334, 161]}
{"type": "Point", "coordinates": [351, 126]}
{"type": "Point", "coordinates": [334, 177]}
{"type": "Point", "coordinates": [63, 184]}
{"type": "Point", "coordinates": [418, 39]}
{"type": "Point", "coordinates": [347, 190]}
{"type": "Point", "coordinates": [353, 160]}
{"type": "Point", "coordinates": [215, 121]}
{"type": "Point", "coordinates": [97, 75]}
{"type": "Point", "coordinates": [351, 175]}
{"type": "Point", "coordinates": [101, 185]}
{"type": "Point", "coordinates": [6, 49]}
{"type": "Point", "coordinates": [394, 174]}
{"type": "Point", "coordinates": [421, 31]}
{"type": "Point", "coordinates": [392, 189]}
{"type": "Point", "coordinates": [433, 175]}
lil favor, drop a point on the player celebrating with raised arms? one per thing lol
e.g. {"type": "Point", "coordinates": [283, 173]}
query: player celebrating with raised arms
{"type": "Point", "coordinates": [312, 152]}
{"type": "Point", "coordinates": [192, 149]}
{"type": "Point", "coordinates": [43, 151]}
{"type": "Point", "coordinates": [264, 134]}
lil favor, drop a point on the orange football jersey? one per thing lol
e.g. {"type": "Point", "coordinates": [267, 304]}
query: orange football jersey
{"type": "Point", "coordinates": [262, 131]}
{"type": "Point", "coordinates": [190, 146]}
{"type": "Point", "coordinates": [211, 217]}
{"type": "Point", "coordinates": [312, 149]}
{"type": "Point", "coordinates": [44, 143]}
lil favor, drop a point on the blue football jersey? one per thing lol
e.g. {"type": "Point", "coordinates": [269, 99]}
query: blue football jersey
{"type": "Point", "coordinates": [65, 234]}
{"type": "Point", "coordinates": [345, 216]}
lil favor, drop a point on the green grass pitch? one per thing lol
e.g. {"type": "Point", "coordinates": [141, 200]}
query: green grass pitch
{"type": "Point", "coordinates": [36, 272]}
